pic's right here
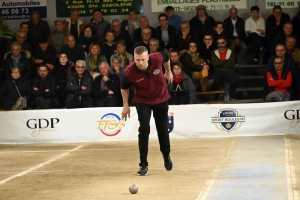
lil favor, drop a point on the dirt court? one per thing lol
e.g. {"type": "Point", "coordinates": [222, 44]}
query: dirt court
{"type": "Point", "coordinates": [219, 168]}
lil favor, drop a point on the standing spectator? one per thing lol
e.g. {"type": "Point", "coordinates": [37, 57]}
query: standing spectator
{"type": "Point", "coordinates": [37, 27]}
{"type": "Point", "coordinates": [109, 46]}
{"type": "Point", "coordinates": [17, 58]}
{"type": "Point", "coordinates": [106, 88]}
{"type": "Point", "coordinates": [223, 60]}
{"type": "Point", "coordinates": [99, 24]}
{"type": "Point", "coordinates": [79, 87]}
{"type": "Point", "coordinates": [131, 24]}
{"type": "Point", "coordinates": [144, 23]}
{"type": "Point", "coordinates": [235, 31]}
{"type": "Point", "coordinates": [202, 22]}
{"type": "Point", "coordinates": [9, 92]}
{"type": "Point", "coordinates": [116, 66]}
{"type": "Point", "coordinates": [73, 24]}
{"type": "Point", "coordinates": [59, 37]}
{"type": "Point", "coordinates": [173, 20]}
{"type": "Point", "coordinates": [73, 50]}
{"type": "Point", "coordinates": [184, 37]}
{"type": "Point", "coordinates": [87, 37]}
{"type": "Point", "coordinates": [255, 29]}
{"type": "Point", "coordinates": [93, 59]}
{"type": "Point", "coordinates": [182, 89]}
{"type": "Point", "coordinates": [121, 33]}
{"type": "Point", "coordinates": [165, 32]}
{"type": "Point", "coordinates": [44, 89]}
{"type": "Point", "coordinates": [121, 51]}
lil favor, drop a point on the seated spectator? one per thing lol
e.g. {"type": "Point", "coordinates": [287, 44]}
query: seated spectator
{"type": "Point", "coordinates": [219, 31]}
{"type": "Point", "coordinates": [165, 32]}
{"type": "Point", "coordinates": [93, 59]}
{"type": "Point", "coordinates": [202, 22]}
{"type": "Point", "coordinates": [296, 22]}
{"type": "Point", "coordinates": [87, 37]}
{"type": "Point", "coordinates": [184, 37]}
{"type": "Point", "coordinates": [44, 54]}
{"type": "Point", "coordinates": [79, 87]}
{"type": "Point", "coordinates": [106, 88]}
{"type": "Point", "coordinates": [144, 23]}
{"type": "Point", "coordinates": [116, 66]}
{"type": "Point", "coordinates": [182, 89]}
{"type": "Point", "coordinates": [235, 31]}
{"type": "Point", "coordinates": [43, 89]}
{"type": "Point", "coordinates": [24, 27]}
{"type": "Point", "coordinates": [73, 24]}
{"type": "Point", "coordinates": [174, 56]}
{"type": "Point", "coordinates": [255, 29]}
{"type": "Point", "coordinates": [223, 60]}
{"type": "Point", "coordinates": [109, 46]}
{"type": "Point", "coordinates": [121, 51]}
{"type": "Point", "coordinates": [61, 71]}
{"type": "Point", "coordinates": [99, 24]}
{"type": "Point", "coordinates": [197, 65]}
{"type": "Point", "coordinates": [13, 87]}
{"type": "Point", "coordinates": [154, 45]}
{"type": "Point", "coordinates": [290, 44]}
{"type": "Point", "coordinates": [37, 27]}
{"type": "Point", "coordinates": [207, 47]}
{"type": "Point", "coordinates": [73, 50]}
{"type": "Point", "coordinates": [21, 38]}
{"type": "Point", "coordinates": [121, 34]}
{"type": "Point", "coordinates": [59, 37]}
{"type": "Point", "coordinates": [17, 58]}
{"type": "Point", "coordinates": [144, 40]}
{"type": "Point", "coordinates": [173, 20]}
{"type": "Point", "coordinates": [279, 81]}
{"type": "Point", "coordinates": [131, 24]}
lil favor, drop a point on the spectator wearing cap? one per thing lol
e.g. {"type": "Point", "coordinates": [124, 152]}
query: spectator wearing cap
{"type": "Point", "coordinates": [165, 32]}
{"type": "Point", "coordinates": [202, 22]}
{"type": "Point", "coordinates": [73, 50]}
{"type": "Point", "coordinates": [58, 37]}
{"type": "Point", "coordinates": [173, 20]}
{"type": "Point", "coordinates": [73, 24]}
{"type": "Point", "coordinates": [99, 24]}
{"type": "Point", "coordinates": [37, 27]}
{"type": "Point", "coordinates": [44, 54]}
{"type": "Point", "coordinates": [131, 24]}
{"type": "Point", "coordinates": [255, 30]}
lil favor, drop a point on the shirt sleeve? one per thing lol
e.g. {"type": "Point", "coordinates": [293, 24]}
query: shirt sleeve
{"type": "Point", "coordinates": [125, 83]}
{"type": "Point", "coordinates": [165, 56]}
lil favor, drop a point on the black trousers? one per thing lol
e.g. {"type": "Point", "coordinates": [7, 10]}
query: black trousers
{"type": "Point", "coordinates": [43, 103]}
{"type": "Point", "coordinates": [160, 114]}
{"type": "Point", "coordinates": [256, 42]}
{"type": "Point", "coordinates": [79, 104]}
{"type": "Point", "coordinates": [107, 102]}
{"type": "Point", "coordinates": [220, 76]}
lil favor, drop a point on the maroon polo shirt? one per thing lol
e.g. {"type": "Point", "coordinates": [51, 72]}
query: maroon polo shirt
{"type": "Point", "coordinates": [150, 86]}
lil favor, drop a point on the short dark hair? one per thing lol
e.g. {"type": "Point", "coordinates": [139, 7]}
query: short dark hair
{"type": "Point", "coordinates": [222, 37]}
{"type": "Point", "coordinates": [97, 10]}
{"type": "Point", "coordinates": [217, 23]}
{"type": "Point", "coordinates": [43, 65]}
{"type": "Point", "coordinates": [23, 23]}
{"type": "Point", "coordinates": [254, 8]}
{"type": "Point", "coordinates": [278, 57]}
{"type": "Point", "coordinates": [174, 51]}
{"type": "Point", "coordinates": [169, 8]}
{"type": "Point", "coordinates": [179, 64]}
{"type": "Point", "coordinates": [162, 15]}
{"type": "Point", "coordinates": [276, 7]}
{"type": "Point", "coordinates": [132, 10]}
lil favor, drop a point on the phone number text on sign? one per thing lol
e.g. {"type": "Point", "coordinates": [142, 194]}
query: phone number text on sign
{"type": "Point", "coordinates": [282, 4]}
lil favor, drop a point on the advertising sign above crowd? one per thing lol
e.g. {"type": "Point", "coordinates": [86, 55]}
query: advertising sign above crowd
{"type": "Point", "coordinates": [282, 3]}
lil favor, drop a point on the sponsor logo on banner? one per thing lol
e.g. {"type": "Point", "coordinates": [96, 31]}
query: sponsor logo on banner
{"type": "Point", "coordinates": [110, 124]}
{"type": "Point", "coordinates": [41, 125]}
{"type": "Point", "coordinates": [228, 120]}
{"type": "Point", "coordinates": [293, 116]}
{"type": "Point", "coordinates": [170, 122]}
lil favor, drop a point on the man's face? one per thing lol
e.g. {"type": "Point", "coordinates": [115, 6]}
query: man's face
{"type": "Point", "coordinates": [116, 26]}
{"type": "Point", "coordinates": [185, 28]}
{"type": "Point", "coordinates": [44, 45]}
{"type": "Point", "coordinates": [63, 59]}
{"type": "Point", "coordinates": [219, 28]}
{"type": "Point", "coordinates": [132, 16]}
{"type": "Point", "coordinates": [174, 56]}
{"type": "Point", "coordinates": [277, 13]}
{"type": "Point", "coordinates": [221, 44]}
{"type": "Point", "coordinates": [254, 14]}
{"type": "Point", "coordinates": [16, 51]}
{"type": "Point", "coordinates": [143, 22]}
{"type": "Point", "coordinates": [153, 47]}
{"type": "Point", "coordinates": [278, 63]}
{"type": "Point", "coordinates": [280, 51]}
{"type": "Point", "coordinates": [88, 32]}
{"type": "Point", "coordinates": [104, 69]}
{"type": "Point", "coordinates": [170, 13]}
{"type": "Point", "coordinates": [192, 47]}
{"type": "Point", "coordinates": [35, 18]}
{"type": "Point", "coordinates": [97, 16]}
{"type": "Point", "coordinates": [146, 34]}
{"type": "Point", "coordinates": [43, 72]}
{"type": "Point", "coordinates": [110, 37]}
{"type": "Point", "coordinates": [80, 68]}
{"type": "Point", "coordinates": [201, 12]}
{"type": "Point", "coordinates": [59, 26]}
{"type": "Point", "coordinates": [74, 15]}
{"type": "Point", "coordinates": [21, 37]}
{"type": "Point", "coordinates": [288, 29]}
{"type": "Point", "coordinates": [24, 28]}
{"type": "Point", "coordinates": [233, 13]}
{"type": "Point", "coordinates": [208, 40]}
{"type": "Point", "coordinates": [290, 43]}
{"type": "Point", "coordinates": [141, 61]}
{"type": "Point", "coordinates": [71, 42]}
{"type": "Point", "coordinates": [163, 21]}
{"type": "Point", "coordinates": [116, 65]}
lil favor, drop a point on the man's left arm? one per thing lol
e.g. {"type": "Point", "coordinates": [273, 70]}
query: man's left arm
{"type": "Point", "coordinates": [167, 65]}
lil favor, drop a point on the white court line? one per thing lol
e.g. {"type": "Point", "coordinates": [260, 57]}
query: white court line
{"type": "Point", "coordinates": [215, 174]}
{"type": "Point", "coordinates": [40, 165]}
{"type": "Point", "coordinates": [290, 172]}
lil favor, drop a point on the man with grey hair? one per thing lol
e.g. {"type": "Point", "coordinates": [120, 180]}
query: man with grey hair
{"type": "Point", "coordinates": [151, 95]}
{"type": "Point", "coordinates": [121, 33]}
{"type": "Point", "coordinates": [153, 45]}
{"type": "Point", "coordinates": [79, 87]}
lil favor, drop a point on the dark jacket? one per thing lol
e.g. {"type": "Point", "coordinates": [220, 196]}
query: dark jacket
{"type": "Point", "coordinates": [48, 56]}
{"type": "Point", "coordinates": [9, 94]}
{"type": "Point", "coordinates": [223, 65]}
{"type": "Point", "coordinates": [272, 29]}
{"type": "Point", "coordinates": [280, 38]}
{"type": "Point", "coordinates": [138, 33]}
{"type": "Point", "coordinates": [87, 41]}
{"type": "Point", "coordinates": [42, 29]}
{"type": "Point", "coordinates": [75, 93]}
{"type": "Point", "coordinates": [25, 66]}
{"type": "Point", "coordinates": [189, 65]}
{"type": "Point", "coordinates": [201, 28]}
{"type": "Point", "coordinates": [171, 33]}
{"type": "Point", "coordinates": [124, 35]}
{"type": "Point", "coordinates": [75, 54]}
{"type": "Point", "coordinates": [140, 42]}
{"type": "Point", "coordinates": [100, 28]}
{"type": "Point", "coordinates": [239, 27]}
{"type": "Point", "coordinates": [42, 85]}
{"type": "Point", "coordinates": [182, 43]}
{"type": "Point", "coordinates": [107, 50]}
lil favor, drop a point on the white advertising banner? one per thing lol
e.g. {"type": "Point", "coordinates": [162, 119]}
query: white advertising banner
{"type": "Point", "coordinates": [188, 121]}
{"type": "Point", "coordinates": [282, 3]}
{"type": "Point", "coordinates": [158, 6]}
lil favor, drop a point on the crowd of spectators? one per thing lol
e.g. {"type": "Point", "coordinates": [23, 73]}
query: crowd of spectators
{"type": "Point", "coordinates": [81, 65]}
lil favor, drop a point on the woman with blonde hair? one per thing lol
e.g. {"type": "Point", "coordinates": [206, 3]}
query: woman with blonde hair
{"type": "Point", "coordinates": [93, 59]}
{"type": "Point", "coordinates": [121, 51]}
